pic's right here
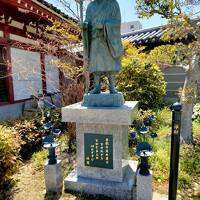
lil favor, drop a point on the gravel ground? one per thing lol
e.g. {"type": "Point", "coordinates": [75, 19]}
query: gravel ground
{"type": "Point", "coordinates": [31, 186]}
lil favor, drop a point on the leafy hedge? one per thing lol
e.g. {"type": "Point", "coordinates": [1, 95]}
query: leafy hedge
{"type": "Point", "coordinates": [9, 162]}
{"type": "Point", "coordinates": [31, 136]}
{"type": "Point", "coordinates": [140, 79]}
{"type": "Point", "coordinates": [143, 82]}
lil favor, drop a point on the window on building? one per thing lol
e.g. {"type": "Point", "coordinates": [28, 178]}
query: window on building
{"type": "Point", "coordinates": [26, 69]}
{"type": "Point", "coordinates": [132, 26]}
{"type": "Point", "coordinates": [3, 82]}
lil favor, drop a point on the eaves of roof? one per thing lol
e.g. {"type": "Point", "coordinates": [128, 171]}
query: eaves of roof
{"type": "Point", "coordinates": [55, 9]}
{"type": "Point", "coordinates": [144, 36]}
{"type": "Point", "coordinates": [148, 37]}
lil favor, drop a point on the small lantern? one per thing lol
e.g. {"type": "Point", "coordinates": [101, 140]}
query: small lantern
{"type": "Point", "coordinates": [52, 152]}
{"type": "Point", "coordinates": [152, 117]}
{"type": "Point", "coordinates": [154, 135]}
{"type": "Point", "coordinates": [147, 122]}
{"type": "Point", "coordinates": [56, 132]}
{"type": "Point", "coordinates": [143, 130]}
{"type": "Point", "coordinates": [48, 125]}
{"type": "Point", "coordinates": [49, 142]}
{"type": "Point", "coordinates": [144, 150]}
{"type": "Point", "coordinates": [133, 138]}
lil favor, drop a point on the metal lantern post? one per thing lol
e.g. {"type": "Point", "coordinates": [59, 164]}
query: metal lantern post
{"type": "Point", "coordinates": [175, 147]}
{"type": "Point", "coordinates": [144, 151]}
{"type": "Point", "coordinates": [49, 141]}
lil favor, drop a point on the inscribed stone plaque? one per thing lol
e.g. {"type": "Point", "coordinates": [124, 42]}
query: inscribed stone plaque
{"type": "Point", "coordinates": [98, 150]}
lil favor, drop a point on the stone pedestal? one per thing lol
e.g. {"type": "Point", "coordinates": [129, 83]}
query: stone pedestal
{"type": "Point", "coordinates": [103, 100]}
{"type": "Point", "coordinates": [144, 187]}
{"type": "Point", "coordinates": [102, 150]}
{"type": "Point", "coordinates": [53, 178]}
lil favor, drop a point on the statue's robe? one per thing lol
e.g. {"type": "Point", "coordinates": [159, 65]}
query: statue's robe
{"type": "Point", "coordinates": [102, 38]}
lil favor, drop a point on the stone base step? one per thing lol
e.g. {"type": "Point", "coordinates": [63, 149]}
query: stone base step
{"type": "Point", "coordinates": [125, 190]}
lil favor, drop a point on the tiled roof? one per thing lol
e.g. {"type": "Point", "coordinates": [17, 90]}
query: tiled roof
{"type": "Point", "coordinates": [144, 36]}
{"type": "Point", "coordinates": [52, 7]}
{"type": "Point", "coordinates": [151, 36]}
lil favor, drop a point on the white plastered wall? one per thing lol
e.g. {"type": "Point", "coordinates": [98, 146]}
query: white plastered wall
{"type": "Point", "coordinates": [52, 74]}
{"type": "Point", "coordinates": [26, 68]}
{"type": "Point", "coordinates": [22, 39]}
{"type": "Point", "coordinates": [1, 33]}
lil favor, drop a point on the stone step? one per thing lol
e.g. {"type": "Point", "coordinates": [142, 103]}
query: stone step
{"type": "Point", "coordinates": [125, 190]}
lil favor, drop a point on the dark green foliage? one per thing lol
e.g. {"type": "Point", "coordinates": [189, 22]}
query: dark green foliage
{"type": "Point", "coordinates": [196, 112]}
{"type": "Point", "coordinates": [9, 162]}
{"type": "Point", "coordinates": [143, 82]}
{"type": "Point", "coordinates": [31, 135]}
{"type": "Point", "coordinates": [31, 132]}
{"type": "Point", "coordinates": [190, 163]}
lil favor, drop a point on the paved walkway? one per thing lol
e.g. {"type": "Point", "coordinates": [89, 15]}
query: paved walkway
{"type": "Point", "coordinates": [157, 196]}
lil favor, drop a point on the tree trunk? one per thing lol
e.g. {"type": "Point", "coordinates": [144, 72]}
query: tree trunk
{"type": "Point", "coordinates": [187, 100]}
{"type": "Point", "coordinates": [186, 122]}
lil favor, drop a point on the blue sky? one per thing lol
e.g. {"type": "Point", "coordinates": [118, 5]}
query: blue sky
{"type": "Point", "coordinates": [128, 13]}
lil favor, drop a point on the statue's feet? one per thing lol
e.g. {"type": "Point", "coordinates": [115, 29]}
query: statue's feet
{"type": "Point", "coordinates": [113, 91]}
{"type": "Point", "coordinates": [96, 90]}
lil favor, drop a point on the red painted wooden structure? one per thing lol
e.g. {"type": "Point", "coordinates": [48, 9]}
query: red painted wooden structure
{"type": "Point", "coordinates": [28, 13]}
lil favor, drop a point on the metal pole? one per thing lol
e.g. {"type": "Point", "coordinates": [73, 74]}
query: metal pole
{"type": "Point", "coordinates": [175, 147]}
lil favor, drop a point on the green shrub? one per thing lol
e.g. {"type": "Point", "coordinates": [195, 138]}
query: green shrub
{"type": "Point", "coordinates": [189, 168]}
{"type": "Point", "coordinates": [9, 162]}
{"type": "Point", "coordinates": [31, 135]}
{"type": "Point", "coordinates": [196, 112]}
{"type": "Point", "coordinates": [161, 124]}
{"type": "Point", "coordinates": [160, 159]}
{"type": "Point", "coordinates": [39, 158]}
{"type": "Point", "coordinates": [143, 82]}
{"type": "Point", "coordinates": [141, 115]}
{"type": "Point", "coordinates": [164, 117]}
{"type": "Point", "coordinates": [30, 130]}
{"type": "Point", "coordinates": [196, 128]}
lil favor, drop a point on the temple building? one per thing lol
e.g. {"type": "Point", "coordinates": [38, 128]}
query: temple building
{"type": "Point", "coordinates": [25, 70]}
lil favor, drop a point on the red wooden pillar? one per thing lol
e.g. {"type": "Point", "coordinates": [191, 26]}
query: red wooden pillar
{"type": "Point", "coordinates": [43, 73]}
{"type": "Point", "coordinates": [9, 79]}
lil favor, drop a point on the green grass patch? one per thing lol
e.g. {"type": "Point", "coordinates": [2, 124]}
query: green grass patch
{"type": "Point", "coordinates": [38, 159]}
{"type": "Point", "coordinates": [164, 117]}
{"type": "Point", "coordinates": [189, 160]}
{"type": "Point", "coordinates": [164, 131]}
{"type": "Point", "coordinates": [189, 165]}
{"type": "Point", "coordinates": [160, 160]}
{"type": "Point", "coordinates": [196, 127]}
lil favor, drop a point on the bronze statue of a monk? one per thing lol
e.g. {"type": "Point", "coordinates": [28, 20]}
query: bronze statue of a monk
{"type": "Point", "coordinates": [102, 41]}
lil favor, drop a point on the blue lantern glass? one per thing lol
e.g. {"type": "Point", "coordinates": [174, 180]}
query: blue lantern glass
{"type": "Point", "coordinates": [152, 117]}
{"type": "Point", "coordinates": [133, 136]}
{"type": "Point", "coordinates": [154, 135]}
{"type": "Point", "coordinates": [143, 130]}
{"type": "Point", "coordinates": [147, 122]}
{"type": "Point", "coordinates": [144, 150]}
